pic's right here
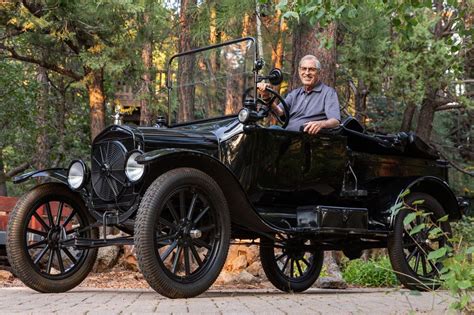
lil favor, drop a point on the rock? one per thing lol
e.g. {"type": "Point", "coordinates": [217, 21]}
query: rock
{"type": "Point", "coordinates": [231, 255]}
{"type": "Point", "coordinates": [129, 258]}
{"type": "Point", "coordinates": [245, 277]}
{"type": "Point", "coordinates": [226, 277]}
{"type": "Point", "coordinates": [106, 258]}
{"type": "Point", "coordinates": [256, 269]}
{"type": "Point", "coordinates": [253, 254]}
{"type": "Point", "coordinates": [5, 275]}
{"type": "Point", "coordinates": [239, 263]}
{"type": "Point", "coordinates": [330, 283]}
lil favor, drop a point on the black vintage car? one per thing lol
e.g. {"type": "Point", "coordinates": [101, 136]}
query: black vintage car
{"type": "Point", "coordinates": [183, 189]}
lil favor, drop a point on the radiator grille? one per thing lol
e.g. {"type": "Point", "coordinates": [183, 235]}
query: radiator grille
{"type": "Point", "coordinates": [108, 170]}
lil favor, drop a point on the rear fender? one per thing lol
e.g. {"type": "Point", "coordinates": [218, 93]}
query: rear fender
{"type": "Point", "coordinates": [241, 210]}
{"type": "Point", "coordinates": [436, 188]}
{"type": "Point", "coordinates": [55, 174]}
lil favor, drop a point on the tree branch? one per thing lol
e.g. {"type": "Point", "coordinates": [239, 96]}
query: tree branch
{"type": "Point", "coordinates": [454, 164]}
{"type": "Point", "coordinates": [32, 9]}
{"type": "Point", "coordinates": [42, 63]}
{"type": "Point", "coordinates": [12, 34]}
{"type": "Point", "coordinates": [20, 168]}
{"type": "Point", "coordinates": [449, 106]}
{"type": "Point", "coordinates": [464, 81]}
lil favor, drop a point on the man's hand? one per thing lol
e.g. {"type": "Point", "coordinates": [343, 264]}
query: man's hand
{"type": "Point", "coordinates": [313, 127]}
{"type": "Point", "coordinates": [261, 86]}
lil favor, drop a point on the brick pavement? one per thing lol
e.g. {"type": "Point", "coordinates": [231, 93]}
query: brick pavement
{"type": "Point", "coordinates": [250, 301]}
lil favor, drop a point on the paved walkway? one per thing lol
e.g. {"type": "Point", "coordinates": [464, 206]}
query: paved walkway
{"type": "Point", "coordinates": [251, 301]}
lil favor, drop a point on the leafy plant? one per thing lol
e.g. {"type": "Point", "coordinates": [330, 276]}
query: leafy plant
{"type": "Point", "coordinates": [373, 273]}
{"type": "Point", "coordinates": [457, 272]}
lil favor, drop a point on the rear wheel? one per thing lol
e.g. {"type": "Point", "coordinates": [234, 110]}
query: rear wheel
{"type": "Point", "coordinates": [292, 264]}
{"type": "Point", "coordinates": [182, 233]}
{"type": "Point", "coordinates": [409, 253]}
{"type": "Point", "coordinates": [41, 221]}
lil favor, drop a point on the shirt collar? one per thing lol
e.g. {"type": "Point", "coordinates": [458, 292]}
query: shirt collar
{"type": "Point", "coordinates": [317, 88]}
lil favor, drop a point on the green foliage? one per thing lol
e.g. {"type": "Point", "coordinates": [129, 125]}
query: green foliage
{"type": "Point", "coordinates": [457, 273]}
{"type": "Point", "coordinates": [463, 231]}
{"type": "Point", "coordinates": [17, 109]}
{"type": "Point", "coordinates": [366, 42]}
{"type": "Point", "coordinates": [373, 273]}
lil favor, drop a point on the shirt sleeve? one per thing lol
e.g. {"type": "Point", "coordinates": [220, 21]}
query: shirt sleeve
{"type": "Point", "coordinates": [289, 99]}
{"type": "Point", "coordinates": [331, 105]}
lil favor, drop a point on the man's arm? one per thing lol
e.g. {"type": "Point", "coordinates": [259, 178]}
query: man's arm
{"type": "Point", "coordinates": [261, 86]}
{"type": "Point", "coordinates": [313, 127]}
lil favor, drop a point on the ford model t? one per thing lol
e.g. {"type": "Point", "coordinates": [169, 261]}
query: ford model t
{"type": "Point", "coordinates": [213, 172]}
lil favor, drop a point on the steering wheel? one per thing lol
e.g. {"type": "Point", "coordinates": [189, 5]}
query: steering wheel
{"type": "Point", "coordinates": [265, 106]}
{"type": "Point", "coordinates": [275, 95]}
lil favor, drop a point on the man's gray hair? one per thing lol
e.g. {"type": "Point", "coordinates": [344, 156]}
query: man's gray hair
{"type": "Point", "coordinates": [311, 57]}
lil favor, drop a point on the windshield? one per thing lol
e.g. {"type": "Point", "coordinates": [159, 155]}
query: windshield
{"type": "Point", "coordinates": [210, 82]}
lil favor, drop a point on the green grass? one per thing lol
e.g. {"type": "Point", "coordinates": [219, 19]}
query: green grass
{"type": "Point", "coordinates": [372, 273]}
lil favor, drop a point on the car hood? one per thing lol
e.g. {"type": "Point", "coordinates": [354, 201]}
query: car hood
{"type": "Point", "coordinates": [157, 138]}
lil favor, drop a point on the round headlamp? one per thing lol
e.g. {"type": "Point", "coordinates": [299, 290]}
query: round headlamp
{"type": "Point", "coordinates": [244, 115]}
{"type": "Point", "coordinates": [77, 174]}
{"type": "Point", "coordinates": [133, 170]}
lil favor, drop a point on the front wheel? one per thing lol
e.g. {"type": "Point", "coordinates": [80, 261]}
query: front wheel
{"type": "Point", "coordinates": [40, 223]}
{"type": "Point", "coordinates": [292, 264]}
{"type": "Point", "coordinates": [182, 233]}
{"type": "Point", "coordinates": [409, 252]}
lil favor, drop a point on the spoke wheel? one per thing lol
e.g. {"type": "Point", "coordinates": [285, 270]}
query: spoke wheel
{"type": "Point", "coordinates": [292, 264]}
{"type": "Point", "coordinates": [41, 221]}
{"type": "Point", "coordinates": [182, 233]}
{"type": "Point", "coordinates": [409, 253]}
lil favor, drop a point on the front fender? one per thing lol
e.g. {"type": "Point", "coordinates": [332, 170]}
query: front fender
{"type": "Point", "coordinates": [241, 209]}
{"type": "Point", "coordinates": [154, 155]}
{"type": "Point", "coordinates": [438, 189]}
{"type": "Point", "coordinates": [55, 174]}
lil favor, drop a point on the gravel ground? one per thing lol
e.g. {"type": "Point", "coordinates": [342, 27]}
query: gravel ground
{"type": "Point", "coordinates": [120, 279]}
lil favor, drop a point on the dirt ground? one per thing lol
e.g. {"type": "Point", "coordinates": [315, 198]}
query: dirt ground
{"type": "Point", "coordinates": [121, 279]}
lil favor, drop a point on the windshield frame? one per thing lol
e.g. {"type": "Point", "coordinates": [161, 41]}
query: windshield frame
{"type": "Point", "coordinates": [169, 85]}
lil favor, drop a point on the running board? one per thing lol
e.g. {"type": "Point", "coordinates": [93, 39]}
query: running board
{"type": "Point", "coordinates": [91, 243]}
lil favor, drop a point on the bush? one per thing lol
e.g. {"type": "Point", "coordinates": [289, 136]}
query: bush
{"type": "Point", "coordinates": [373, 273]}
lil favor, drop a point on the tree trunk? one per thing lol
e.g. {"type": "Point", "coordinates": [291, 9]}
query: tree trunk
{"type": "Point", "coordinates": [186, 64]}
{"type": "Point", "coordinates": [95, 88]}
{"type": "Point", "coordinates": [278, 52]}
{"type": "Point", "coordinates": [61, 129]}
{"type": "Point", "coordinates": [146, 89]}
{"type": "Point", "coordinates": [213, 66]}
{"type": "Point", "coordinates": [3, 176]}
{"type": "Point", "coordinates": [307, 40]}
{"type": "Point", "coordinates": [361, 102]}
{"type": "Point", "coordinates": [426, 116]}
{"type": "Point", "coordinates": [408, 115]}
{"type": "Point", "coordinates": [42, 139]}
{"type": "Point", "coordinates": [235, 82]}
{"type": "Point", "coordinates": [428, 105]}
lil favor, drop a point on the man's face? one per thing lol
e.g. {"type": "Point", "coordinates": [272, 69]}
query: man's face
{"type": "Point", "coordinates": [308, 73]}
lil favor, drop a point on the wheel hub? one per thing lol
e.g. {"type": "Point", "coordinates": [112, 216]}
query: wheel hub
{"type": "Point", "coordinates": [186, 231]}
{"type": "Point", "coordinates": [55, 235]}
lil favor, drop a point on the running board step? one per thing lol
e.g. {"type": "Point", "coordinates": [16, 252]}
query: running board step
{"type": "Point", "coordinates": [328, 217]}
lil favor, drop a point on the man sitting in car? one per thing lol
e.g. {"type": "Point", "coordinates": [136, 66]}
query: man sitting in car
{"type": "Point", "coordinates": [314, 105]}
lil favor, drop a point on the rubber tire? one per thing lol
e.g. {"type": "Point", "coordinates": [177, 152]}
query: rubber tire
{"type": "Point", "coordinates": [144, 232]}
{"type": "Point", "coordinates": [280, 281]}
{"type": "Point", "coordinates": [395, 242]}
{"type": "Point", "coordinates": [19, 258]}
